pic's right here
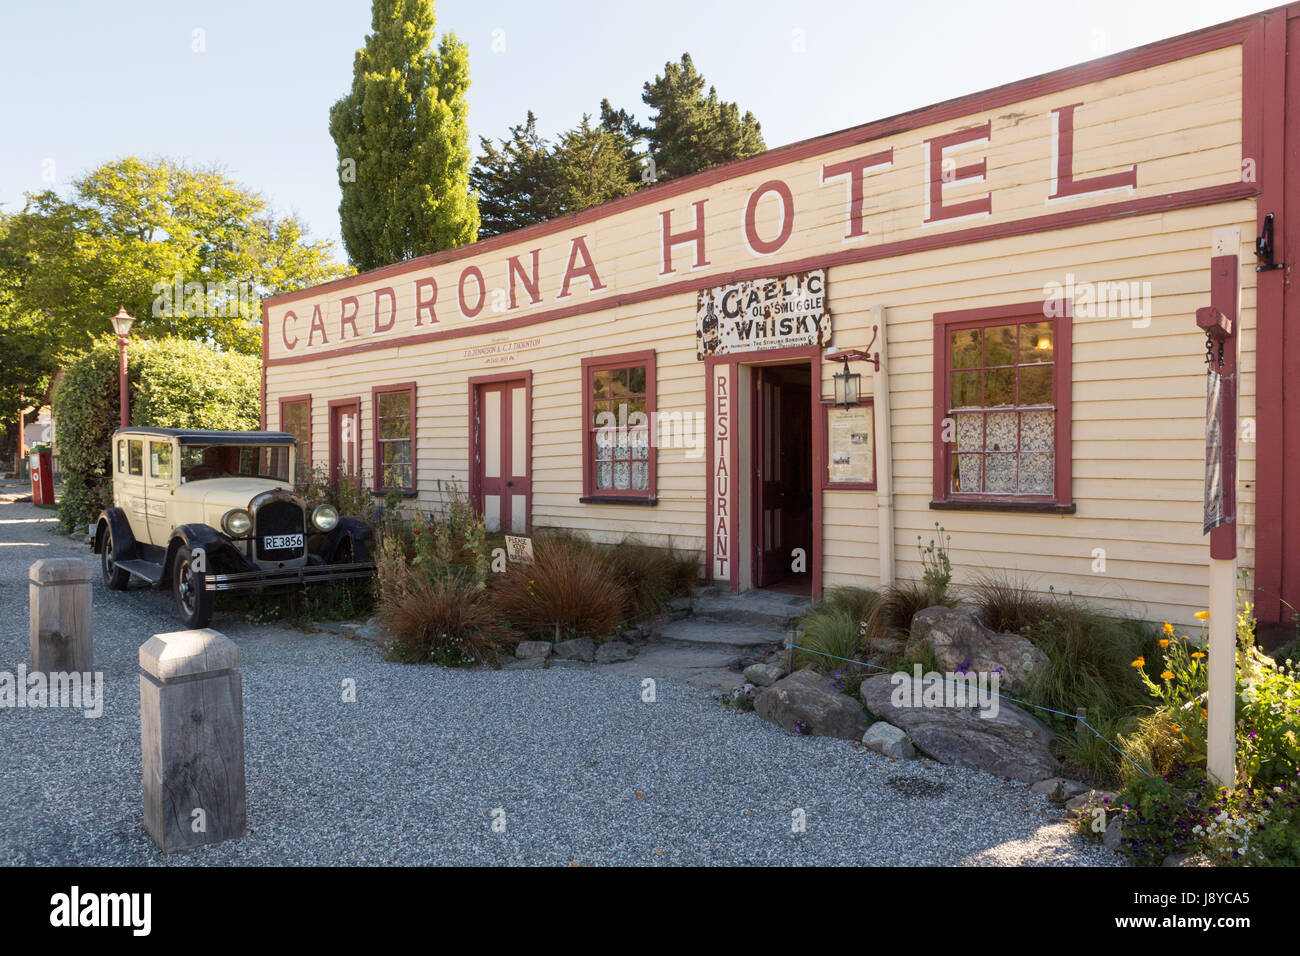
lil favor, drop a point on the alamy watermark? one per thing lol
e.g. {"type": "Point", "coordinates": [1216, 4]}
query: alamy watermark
{"type": "Point", "coordinates": [222, 299]}
{"type": "Point", "coordinates": [1099, 300]}
{"type": "Point", "coordinates": [962, 688]}
{"type": "Point", "coordinates": [76, 690]}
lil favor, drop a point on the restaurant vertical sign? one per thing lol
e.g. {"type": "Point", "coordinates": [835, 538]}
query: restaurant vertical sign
{"type": "Point", "coordinates": [721, 485]}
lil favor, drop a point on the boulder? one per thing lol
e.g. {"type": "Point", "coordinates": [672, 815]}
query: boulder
{"type": "Point", "coordinates": [1082, 804]}
{"type": "Point", "coordinates": [1059, 788]}
{"type": "Point", "coordinates": [1114, 832]}
{"type": "Point", "coordinates": [530, 649]}
{"type": "Point", "coordinates": [612, 651]}
{"type": "Point", "coordinates": [805, 702]}
{"type": "Point", "coordinates": [764, 675]}
{"type": "Point", "coordinates": [962, 642]}
{"type": "Point", "coordinates": [577, 649]}
{"type": "Point", "coordinates": [1010, 744]}
{"type": "Point", "coordinates": [887, 739]}
{"type": "Point", "coordinates": [523, 663]}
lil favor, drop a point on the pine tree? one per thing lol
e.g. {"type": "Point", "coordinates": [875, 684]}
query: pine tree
{"type": "Point", "coordinates": [691, 131]}
{"type": "Point", "coordinates": [592, 166]}
{"type": "Point", "coordinates": [403, 141]}
{"type": "Point", "coordinates": [516, 182]}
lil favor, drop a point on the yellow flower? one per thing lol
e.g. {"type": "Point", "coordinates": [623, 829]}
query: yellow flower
{"type": "Point", "coordinates": [1169, 628]}
{"type": "Point", "coordinates": [1164, 642]}
{"type": "Point", "coordinates": [1167, 675]}
{"type": "Point", "coordinates": [1202, 615]}
{"type": "Point", "coordinates": [1140, 662]}
{"type": "Point", "coordinates": [1198, 654]}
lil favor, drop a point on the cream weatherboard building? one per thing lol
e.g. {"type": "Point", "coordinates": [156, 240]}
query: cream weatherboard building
{"type": "Point", "coordinates": [1027, 263]}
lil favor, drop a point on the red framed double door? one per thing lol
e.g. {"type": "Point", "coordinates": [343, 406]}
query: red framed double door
{"type": "Point", "coordinates": [345, 440]}
{"type": "Point", "coordinates": [501, 482]}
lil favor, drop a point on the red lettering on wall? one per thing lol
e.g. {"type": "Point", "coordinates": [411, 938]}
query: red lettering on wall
{"type": "Point", "coordinates": [939, 177]}
{"type": "Point", "coordinates": [761, 246]}
{"type": "Point", "coordinates": [347, 317]}
{"type": "Point", "coordinates": [425, 303]}
{"type": "Point", "coordinates": [477, 274]}
{"type": "Point", "coordinates": [578, 246]}
{"type": "Point", "coordinates": [856, 170]}
{"type": "Point", "coordinates": [1064, 183]}
{"type": "Point", "coordinates": [392, 310]}
{"type": "Point", "coordinates": [671, 238]}
{"type": "Point", "coordinates": [516, 271]}
{"type": "Point", "coordinates": [284, 331]}
{"type": "Point", "coordinates": [317, 325]}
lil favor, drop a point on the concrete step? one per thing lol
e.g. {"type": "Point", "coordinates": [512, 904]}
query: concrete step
{"type": "Point", "coordinates": [765, 610]}
{"type": "Point", "coordinates": [736, 638]}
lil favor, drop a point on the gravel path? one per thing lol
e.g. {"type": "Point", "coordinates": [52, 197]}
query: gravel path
{"type": "Point", "coordinates": [412, 772]}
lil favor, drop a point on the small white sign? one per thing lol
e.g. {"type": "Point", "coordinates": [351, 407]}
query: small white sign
{"type": "Point", "coordinates": [519, 550]}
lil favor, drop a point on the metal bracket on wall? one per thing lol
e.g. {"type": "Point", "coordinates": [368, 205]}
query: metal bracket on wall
{"type": "Point", "coordinates": [1264, 248]}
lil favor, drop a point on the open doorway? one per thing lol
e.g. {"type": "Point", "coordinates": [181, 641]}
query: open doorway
{"type": "Point", "coordinates": [782, 456]}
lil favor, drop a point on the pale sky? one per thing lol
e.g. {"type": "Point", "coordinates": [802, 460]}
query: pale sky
{"type": "Point", "coordinates": [85, 82]}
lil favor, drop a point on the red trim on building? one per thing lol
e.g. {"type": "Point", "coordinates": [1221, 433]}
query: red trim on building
{"type": "Point", "coordinates": [620, 360]}
{"type": "Point", "coordinates": [409, 389]}
{"type": "Point", "coordinates": [335, 442]}
{"type": "Point", "coordinates": [475, 437]}
{"type": "Point", "coordinates": [297, 400]}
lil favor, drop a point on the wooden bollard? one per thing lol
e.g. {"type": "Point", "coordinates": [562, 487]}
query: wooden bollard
{"type": "Point", "coordinates": [60, 598]}
{"type": "Point", "coordinates": [192, 739]}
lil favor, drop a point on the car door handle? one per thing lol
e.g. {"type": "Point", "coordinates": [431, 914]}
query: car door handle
{"type": "Point", "coordinates": [162, 484]}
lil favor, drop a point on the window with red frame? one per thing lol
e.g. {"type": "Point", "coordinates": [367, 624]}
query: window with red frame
{"type": "Point", "coordinates": [295, 418]}
{"type": "Point", "coordinates": [1002, 385]}
{"type": "Point", "coordinates": [618, 403]}
{"type": "Point", "coordinates": [394, 438]}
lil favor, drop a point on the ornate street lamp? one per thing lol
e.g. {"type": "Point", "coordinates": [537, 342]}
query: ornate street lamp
{"type": "Point", "coordinates": [122, 326]}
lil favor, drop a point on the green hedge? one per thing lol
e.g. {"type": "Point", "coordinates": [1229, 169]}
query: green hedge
{"type": "Point", "coordinates": [175, 383]}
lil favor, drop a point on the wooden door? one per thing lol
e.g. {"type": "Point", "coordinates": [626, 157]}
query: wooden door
{"type": "Point", "coordinates": [345, 440]}
{"type": "Point", "coordinates": [504, 484]}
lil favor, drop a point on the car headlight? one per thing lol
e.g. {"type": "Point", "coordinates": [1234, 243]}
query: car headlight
{"type": "Point", "coordinates": [237, 522]}
{"type": "Point", "coordinates": [325, 517]}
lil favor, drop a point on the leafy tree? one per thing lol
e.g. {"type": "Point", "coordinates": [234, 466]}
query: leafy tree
{"type": "Point", "coordinates": [175, 383]}
{"type": "Point", "coordinates": [593, 165]}
{"type": "Point", "coordinates": [516, 182]}
{"type": "Point", "coordinates": [187, 251]}
{"type": "Point", "coordinates": [403, 141]}
{"type": "Point", "coordinates": [691, 131]}
{"type": "Point", "coordinates": [26, 344]}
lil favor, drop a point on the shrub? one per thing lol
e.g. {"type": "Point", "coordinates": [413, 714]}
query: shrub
{"type": "Point", "coordinates": [651, 576]}
{"type": "Point", "coordinates": [1007, 603]}
{"type": "Point", "coordinates": [174, 383]}
{"type": "Point", "coordinates": [569, 589]}
{"type": "Point", "coordinates": [828, 629]}
{"type": "Point", "coordinates": [349, 494]}
{"type": "Point", "coordinates": [443, 617]}
{"type": "Point", "coordinates": [936, 567]}
{"type": "Point", "coordinates": [892, 613]}
{"type": "Point", "coordinates": [856, 602]}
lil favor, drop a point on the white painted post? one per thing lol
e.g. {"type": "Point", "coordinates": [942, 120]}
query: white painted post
{"type": "Point", "coordinates": [192, 739]}
{"type": "Point", "coordinates": [1221, 754]}
{"type": "Point", "coordinates": [884, 453]}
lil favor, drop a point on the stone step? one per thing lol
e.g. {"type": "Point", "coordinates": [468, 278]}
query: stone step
{"type": "Point", "coordinates": [710, 668]}
{"type": "Point", "coordinates": [765, 610]}
{"type": "Point", "coordinates": [737, 638]}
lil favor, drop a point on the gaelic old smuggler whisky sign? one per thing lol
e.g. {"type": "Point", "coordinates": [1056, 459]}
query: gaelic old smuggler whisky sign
{"type": "Point", "coordinates": [782, 313]}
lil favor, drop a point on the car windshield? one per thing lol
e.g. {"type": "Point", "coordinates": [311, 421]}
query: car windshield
{"type": "Point", "coordinates": [234, 461]}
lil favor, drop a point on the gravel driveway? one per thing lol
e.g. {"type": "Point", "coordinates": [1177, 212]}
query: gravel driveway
{"type": "Point", "coordinates": [412, 772]}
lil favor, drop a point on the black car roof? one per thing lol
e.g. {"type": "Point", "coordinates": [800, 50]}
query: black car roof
{"type": "Point", "coordinates": [195, 436]}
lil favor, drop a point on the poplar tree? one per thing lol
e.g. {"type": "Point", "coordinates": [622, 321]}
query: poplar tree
{"type": "Point", "coordinates": [403, 141]}
{"type": "Point", "coordinates": [691, 131]}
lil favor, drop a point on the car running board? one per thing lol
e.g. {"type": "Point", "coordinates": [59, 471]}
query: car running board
{"type": "Point", "coordinates": [143, 569]}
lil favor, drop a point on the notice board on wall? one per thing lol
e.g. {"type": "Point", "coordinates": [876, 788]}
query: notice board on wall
{"type": "Point", "coordinates": [851, 445]}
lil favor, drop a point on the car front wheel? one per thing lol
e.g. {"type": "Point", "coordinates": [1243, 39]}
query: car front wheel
{"type": "Point", "coordinates": [115, 578]}
{"type": "Point", "coordinates": [193, 603]}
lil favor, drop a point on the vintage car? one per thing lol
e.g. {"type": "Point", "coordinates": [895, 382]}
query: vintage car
{"type": "Point", "coordinates": [208, 511]}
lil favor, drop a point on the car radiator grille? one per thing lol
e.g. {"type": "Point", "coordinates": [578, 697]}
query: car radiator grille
{"type": "Point", "coordinates": [279, 517]}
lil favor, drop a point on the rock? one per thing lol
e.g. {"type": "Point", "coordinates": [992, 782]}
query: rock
{"type": "Point", "coordinates": [743, 696]}
{"type": "Point", "coordinates": [805, 702]}
{"type": "Point", "coordinates": [888, 648]}
{"type": "Point", "coordinates": [612, 651]}
{"type": "Point", "coordinates": [632, 634]}
{"type": "Point", "coordinates": [1011, 744]}
{"type": "Point", "coordinates": [1114, 832]}
{"type": "Point", "coordinates": [1059, 788]}
{"type": "Point", "coordinates": [524, 664]}
{"type": "Point", "coordinates": [531, 649]}
{"type": "Point", "coordinates": [962, 642]}
{"type": "Point", "coordinates": [764, 675]}
{"type": "Point", "coordinates": [1083, 804]}
{"type": "Point", "coordinates": [577, 649]}
{"type": "Point", "coordinates": [887, 739]}
{"type": "Point", "coordinates": [678, 604]}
